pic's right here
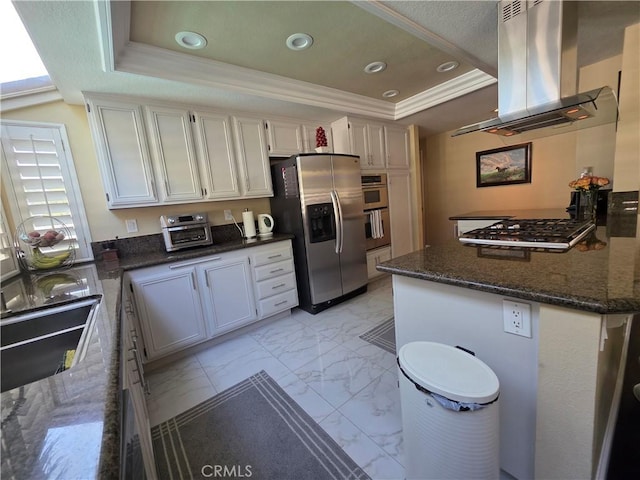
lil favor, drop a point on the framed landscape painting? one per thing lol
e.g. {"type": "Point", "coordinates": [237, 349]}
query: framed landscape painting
{"type": "Point", "coordinates": [504, 166]}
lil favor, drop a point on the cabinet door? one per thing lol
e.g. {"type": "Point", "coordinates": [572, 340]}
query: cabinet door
{"type": "Point", "coordinates": [253, 158]}
{"type": "Point", "coordinates": [397, 147]}
{"type": "Point", "coordinates": [174, 153]}
{"type": "Point", "coordinates": [134, 381]}
{"type": "Point", "coordinates": [169, 310]}
{"type": "Point", "coordinates": [400, 212]}
{"type": "Point", "coordinates": [376, 148]}
{"type": "Point", "coordinates": [309, 137]}
{"type": "Point", "coordinates": [359, 142]}
{"type": "Point", "coordinates": [375, 257]}
{"type": "Point", "coordinates": [228, 298]}
{"type": "Point", "coordinates": [217, 158]}
{"type": "Point", "coordinates": [284, 138]}
{"type": "Point", "coordinates": [123, 154]}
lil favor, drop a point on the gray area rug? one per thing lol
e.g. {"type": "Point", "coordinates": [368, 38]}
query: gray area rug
{"type": "Point", "coordinates": [252, 430]}
{"type": "Point", "coordinates": [383, 336]}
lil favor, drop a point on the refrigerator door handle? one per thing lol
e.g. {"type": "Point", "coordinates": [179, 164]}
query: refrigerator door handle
{"type": "Point", "coordinates": [341, 220]}
{"type": "Point", "coordinates": [337, 215]}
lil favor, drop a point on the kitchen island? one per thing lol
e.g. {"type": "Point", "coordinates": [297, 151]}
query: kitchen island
{"type": "Point", "coordinates": [560, 383]}
{"type": "Point", "coordinates": [68, 425]}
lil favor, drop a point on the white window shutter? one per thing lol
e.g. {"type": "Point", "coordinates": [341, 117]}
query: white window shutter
{"type": "Point", "coordinates": [42, 179]}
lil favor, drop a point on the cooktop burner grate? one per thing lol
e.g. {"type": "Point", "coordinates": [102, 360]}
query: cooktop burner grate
{"type": "Point", "coordinates": [545, 233]}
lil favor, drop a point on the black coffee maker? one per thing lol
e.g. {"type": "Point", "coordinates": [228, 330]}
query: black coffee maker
{"type": "Point", "coordinates": [579, 201]}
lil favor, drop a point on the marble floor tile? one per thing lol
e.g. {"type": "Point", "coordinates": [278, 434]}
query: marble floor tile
{"type": "Point", "coordinates": [364, 451]}
{"type": "Point", "coordinates": [227, 375]}
{"type": "Point", "coordinates": [376, 411]}
{"type": "Point", "coordinates": [306, 397]}
{"type": "Point", "coordinates": [372, 352]}
{"type": "Point", "coordinates": [297, 347]}
{"type": "Point", "coordinates": [176, 388]}
{"type": "Point", "coordinates": [339, 374]}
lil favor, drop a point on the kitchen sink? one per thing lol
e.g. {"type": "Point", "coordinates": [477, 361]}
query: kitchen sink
{"type": "Point", "coordinates": [33, 345]}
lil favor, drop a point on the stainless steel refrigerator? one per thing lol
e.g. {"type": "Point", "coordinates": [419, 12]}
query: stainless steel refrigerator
{"type": "Point", "coordinates": [318, 199]}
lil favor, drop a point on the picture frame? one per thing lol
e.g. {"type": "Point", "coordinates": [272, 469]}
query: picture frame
{"type": "Point", "coordinates": [504, 166]}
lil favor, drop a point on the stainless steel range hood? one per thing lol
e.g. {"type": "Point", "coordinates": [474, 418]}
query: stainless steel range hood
{"type": "Point", "coordinates": [538, 73]}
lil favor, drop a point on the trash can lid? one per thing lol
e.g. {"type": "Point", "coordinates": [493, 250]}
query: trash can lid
{"type": "Point", "coordinates": [449, 371]}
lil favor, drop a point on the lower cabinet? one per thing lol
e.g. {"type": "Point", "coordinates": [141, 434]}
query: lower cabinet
{"type": "Point", "coordinates": [185, 303]}
{"type": "Point", "coordinates": [375, 257]}
{"type": "Point", "coordinates": [227, 295]}
{"type": "Point", "coordinates": [169, 309]}
{"type": "Point", "coordinates": [137, 429]}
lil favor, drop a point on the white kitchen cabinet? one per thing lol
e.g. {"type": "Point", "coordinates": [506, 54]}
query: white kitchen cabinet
{"type": "Point", "coordinates": [133, 380]}
{"type": "Point", "coordinates": [358, 137]}
{"type": "Point", "coordinates": [375, 257]}
{"type": "Point", "coordinates": [169, 309]}
{"type": "Point", "coordinates": [309, 136]}
{"type": "Point", "coordinates": [253, 158]}
{"type": "Point", "coordinates": [174, 153]}
{"type": "Point", "coordinates": [400, 212]}
{"type": "Point", "coordinates": [227, 294]}
{"type": "Point", "coordinates": [396, 141]}
{"type": "Point", "coordinates": [284, 138]}
{"type": "Point", "coordinates": [214, 143]}
{"type": "Point", "coordinates": [123, 154]}
{"type": "Point", "coordinates": [274, 276]}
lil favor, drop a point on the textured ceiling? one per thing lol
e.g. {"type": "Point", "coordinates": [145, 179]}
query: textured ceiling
{"type": "Point", "coordinates": [346, 38]}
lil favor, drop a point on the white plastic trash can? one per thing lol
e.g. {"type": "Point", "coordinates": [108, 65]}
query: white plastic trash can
{"type": "Point", "coordinates": [450, 423]}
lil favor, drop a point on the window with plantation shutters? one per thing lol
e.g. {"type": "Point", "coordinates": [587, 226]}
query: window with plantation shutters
{"type": "Point", "coordinates": [40, 181]}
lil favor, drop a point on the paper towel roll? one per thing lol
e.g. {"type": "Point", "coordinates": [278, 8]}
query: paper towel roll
{"type": "Point", "coordinates": [249, 224]}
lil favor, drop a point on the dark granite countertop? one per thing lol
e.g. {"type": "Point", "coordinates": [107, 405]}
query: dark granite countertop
{"type": "Point", "coordinates": [591, 276]}
{"type": "Point", "coordinates": [68, 425]}
{"type": "Point", "coordinates": [511, 213]}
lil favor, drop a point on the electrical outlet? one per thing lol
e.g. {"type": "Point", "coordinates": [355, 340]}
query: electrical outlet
{"type": "Point", "coordinates": [227, 215]}
{"type": "Point", "coordinates": [132, 225]}
{"type": "Point", "coordinates": [517, 318]}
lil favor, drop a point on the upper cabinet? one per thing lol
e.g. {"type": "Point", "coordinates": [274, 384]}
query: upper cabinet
{"type": "Point", "coordinates": [309, 136]}
{"type": "Point", "coordinates": [174, 153]}
{"type": "Point", "coordinates": [284, 138]}
{"type": "Point", "coordinates": [396, 140]}
{"type": "Point", "coordinates": [253, 158]}
{"type": "Point", "coordinates": [378, 146]}
{"type": "Point", "coordinates": [169, 154]}
{"type": "Point", "coordinates": [218, 166]}
{"type": "Point", "coordinates": [123, 154]}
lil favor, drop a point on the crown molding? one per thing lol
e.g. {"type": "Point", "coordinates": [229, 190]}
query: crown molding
{"type": "Point", "coordinates": [454, 88]}
{"type": "Point", "coordinates": [121, 55]}
{"type": "Point", "coordinates": [29, 98]}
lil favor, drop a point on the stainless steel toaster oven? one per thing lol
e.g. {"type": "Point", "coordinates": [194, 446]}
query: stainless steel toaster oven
{"type": "Point", "coordinates": [184, 231]}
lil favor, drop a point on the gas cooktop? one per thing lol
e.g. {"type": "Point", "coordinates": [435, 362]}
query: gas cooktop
{"type": "Point", "coordinates": [546, 234]}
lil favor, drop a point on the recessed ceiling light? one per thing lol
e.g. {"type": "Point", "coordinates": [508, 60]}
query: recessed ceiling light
{"type": "Point", "coordinates": [375, 67]}
{"type": "Point", "coordinates": [390, 93]}
{"type": "Point", "coordinates": [447, 66]}
{"type": "Point", "coordinates": [299, 41]}
{"type": "Point", "coordinates": [191, 40]}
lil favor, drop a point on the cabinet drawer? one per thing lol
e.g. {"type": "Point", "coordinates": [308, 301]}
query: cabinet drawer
{"type": "Point", "coordinates": [275, 285]}
{"type": "Point", "coordinates": [278, 303]}
{"type": "Point", "coordinates": [273, 270]}
{"type": "Point", "coordinates": [271, 256]}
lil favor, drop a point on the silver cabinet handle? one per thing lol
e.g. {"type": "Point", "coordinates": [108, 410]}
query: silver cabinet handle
{"type": "Point", "coordinates": [274, 256]}
{"type": "Point", "coordinates": [284, 302]}
{"type": "Point", "coordinates": [277, 270]}
{"type": "Point", "coordinates": [278, 286]}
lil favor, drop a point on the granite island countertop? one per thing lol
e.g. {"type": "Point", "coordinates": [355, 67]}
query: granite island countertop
{"type": "Point", "coordinates": [605, 280]}
{"type": "Point", "coordinates": [68, 425]}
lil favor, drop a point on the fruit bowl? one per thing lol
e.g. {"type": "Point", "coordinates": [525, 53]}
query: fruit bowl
{"type": "Point", "coordinates": [44, 243]}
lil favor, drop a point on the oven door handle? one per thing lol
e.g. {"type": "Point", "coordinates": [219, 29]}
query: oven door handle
{"type": "Point", "coordinates": [177, 229]}
{"type": "Point", "coordinates": [337, 211]}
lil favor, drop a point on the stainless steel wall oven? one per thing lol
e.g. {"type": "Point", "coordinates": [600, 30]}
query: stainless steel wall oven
{"type": "Point", "coordinates": [376, 210]}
